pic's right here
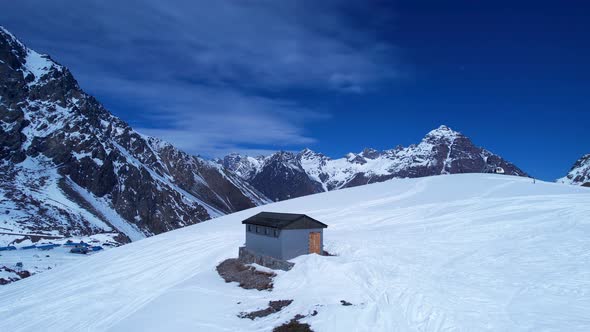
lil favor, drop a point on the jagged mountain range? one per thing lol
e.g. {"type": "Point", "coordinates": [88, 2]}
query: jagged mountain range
{"type": "Point", "coordinates": [284, 175]}
{"type": "Point", "coordinates": [579, 174]}
{"type": "Point", "coordinates": [69, 167]}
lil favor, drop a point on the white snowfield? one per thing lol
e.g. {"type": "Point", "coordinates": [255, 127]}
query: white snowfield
{"type": "Point", "coordinates": [471, 252]}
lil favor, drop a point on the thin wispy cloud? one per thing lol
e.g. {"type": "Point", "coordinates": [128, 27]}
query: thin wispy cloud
{"type": "Point", "coordinates": [203, 74]}
{"type": "Point", "coordinates": [211, 121]}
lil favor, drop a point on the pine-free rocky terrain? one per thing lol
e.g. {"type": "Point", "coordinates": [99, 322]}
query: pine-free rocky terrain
{"type": "Point", "coordinates": [70, 168]}
{"type": "Point", "coordinates": [579, 174]}
{"type": "Point", "coordinates": [284, 175]}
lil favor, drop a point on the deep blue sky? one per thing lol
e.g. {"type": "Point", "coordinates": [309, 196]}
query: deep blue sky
{"type": "Point", "coordinates": [335, 76]}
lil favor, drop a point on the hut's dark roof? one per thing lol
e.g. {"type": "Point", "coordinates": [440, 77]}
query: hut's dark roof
{"type": "Point", "coordinates": [284, 221]}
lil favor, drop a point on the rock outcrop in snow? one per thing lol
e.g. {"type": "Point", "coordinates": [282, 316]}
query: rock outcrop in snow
{"type": "Point", "coordinates": [69, 167]}
{"type": "Point", "coordinates": [579, 174]}
{"type": "Point", "coordinates": [442, 151]}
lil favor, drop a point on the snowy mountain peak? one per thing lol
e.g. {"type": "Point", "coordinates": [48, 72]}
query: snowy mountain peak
{"type": "Point", "coordinates": [9, 38]}
{"type": "Point", "coordinates": [33, 65]}
{"type": "Point", "coordinates": [442, 133]}
{"type": "Point", "coordinates": [311, 153]}
{"type": "Point", "coordinates": [356, 159]}
{"type": "Point", "coordinates": [283, 156]}
{"type": "Point", "coordinates": [307, 154]}
{"type": "Point", "coordinates": [579, 173]}
{"type": "Point", "coordinates": [442, 151]}
{"type": "Point", "coordinates": [307, 151]}
{"type": "Point", "coordinates": [243, 166]}
{"type": "Point", "coordinates": [370, 153]}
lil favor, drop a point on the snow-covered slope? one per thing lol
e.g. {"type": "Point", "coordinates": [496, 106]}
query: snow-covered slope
{"type": "Point", "coordinates": [243, 166]}
{"type": "Point", "coordinates": [579, 174]}
{"type": "Point", "coordinates": [442, 151]}
{"type": "Point", "coordinates": [468, 252]}
{"type": "Point", "coordinates": [70, 168]}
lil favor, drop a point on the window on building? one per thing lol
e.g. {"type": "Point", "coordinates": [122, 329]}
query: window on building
{"type": "Point", "coordinates": [249, 228]}
{"type": "Point", "coordinates": [257, 229]}
{"type": "Point", "coordinates": [276, 233]}
{"type": "Point", "coordinates": [265, 231]}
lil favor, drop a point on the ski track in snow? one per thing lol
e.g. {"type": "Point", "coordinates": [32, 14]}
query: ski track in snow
{"type": "Point", "coordinates": [465, 252]}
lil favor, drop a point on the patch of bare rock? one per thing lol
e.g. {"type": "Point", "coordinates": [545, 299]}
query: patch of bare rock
{"type": "Point", "coordinates": [294, 325]}
{"type": "Point", "coordinates": [233, 270]}
{"type": "Point", "coordinates": [19, 275]}
{"type": "Point", "coordinates": [273, 307]}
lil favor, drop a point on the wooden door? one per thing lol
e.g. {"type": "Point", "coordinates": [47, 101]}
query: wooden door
{"type": "Point", "coordinates": [315, 243]}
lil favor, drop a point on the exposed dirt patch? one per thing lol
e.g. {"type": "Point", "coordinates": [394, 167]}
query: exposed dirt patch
{"type": "Point", "coordinates": [273, 306]}
{"type": "Point", "coordinates": [345, 303]}
{"type": "Point", "coordinates": [21, 275]}
{"type": "Point", "coordinates": [232, 270]}
{"type": "Point", "coordinates": [294, 326]}
{"type": "Point", "coordinates": [327, 253]}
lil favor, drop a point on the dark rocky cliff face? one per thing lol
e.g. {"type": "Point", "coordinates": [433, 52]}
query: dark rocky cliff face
{"type": "Point", "coordinates": [50, 126]}
{"type": "Point", "coordinates": [243, 166]}
{"type": "Point", "coordinates": [282, 178]}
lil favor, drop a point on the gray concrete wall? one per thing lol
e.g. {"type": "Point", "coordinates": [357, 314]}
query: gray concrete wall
{"type": "Point", "coordinates": [263, 244]}
{"type": "Point", "coordinates": [295, 242]}
{"type": "Point", "coordinates": [249, 257]}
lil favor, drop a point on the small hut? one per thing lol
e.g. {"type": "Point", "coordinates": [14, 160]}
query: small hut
{"type": "Point", "coordinates": [284, 235]}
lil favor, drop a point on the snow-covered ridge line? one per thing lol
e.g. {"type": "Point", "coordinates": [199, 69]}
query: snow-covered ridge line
{"type": "Point", "coordinates": [441, 151]}
{"type": "Point", "coordinates": [579, 174]}
{"type": "Point", "coordinates": [468, 252]}
{"type": "Point", "coordinates": [149, 186]}
{"type": "Point", "coordinates": [39, 65]}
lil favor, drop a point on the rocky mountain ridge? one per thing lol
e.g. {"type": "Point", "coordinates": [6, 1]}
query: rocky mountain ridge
{"type": "Point", "coordinates": [285, 175]}
{"type": "Point", "coordinates": [579, 174]}
{"type": "Point", "coordinates": [69, 167]}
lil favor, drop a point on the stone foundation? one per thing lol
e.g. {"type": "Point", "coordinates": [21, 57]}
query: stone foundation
{"type": "Point", "coordinates": [248, 257]}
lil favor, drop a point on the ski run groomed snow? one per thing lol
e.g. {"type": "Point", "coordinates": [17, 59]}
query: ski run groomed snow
{"type": "Point", "coordinates": [470, 252]}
